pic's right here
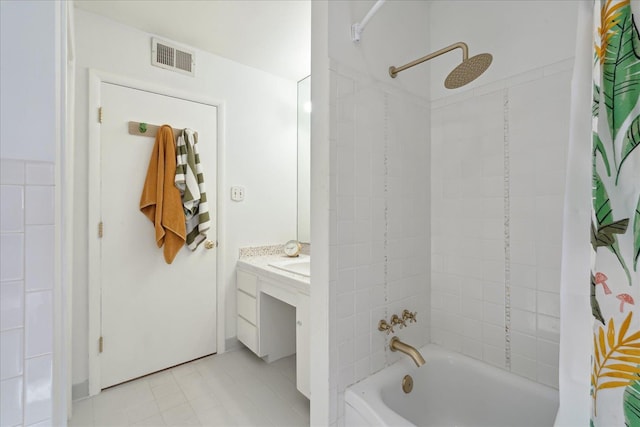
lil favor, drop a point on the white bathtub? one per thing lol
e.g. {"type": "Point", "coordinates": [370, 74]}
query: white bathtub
{"type": "Point", "coordinates": [449, 390]}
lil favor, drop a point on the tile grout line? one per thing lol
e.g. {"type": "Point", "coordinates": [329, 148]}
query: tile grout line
{"type": "Point", "coordinates": [386, 214]}
{"type": "Point", "coordinates": [507, 234]}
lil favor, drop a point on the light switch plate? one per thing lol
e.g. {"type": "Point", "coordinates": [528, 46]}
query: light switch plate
{"type": "Point", "coordinates": [237, 193]}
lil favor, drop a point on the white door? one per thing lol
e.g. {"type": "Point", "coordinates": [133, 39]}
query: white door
{"type": "Point", "coordinates": [154, 315]}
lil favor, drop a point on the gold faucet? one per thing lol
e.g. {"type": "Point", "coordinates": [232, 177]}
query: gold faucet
{"type": "Point", "coordinates": [396, 345]}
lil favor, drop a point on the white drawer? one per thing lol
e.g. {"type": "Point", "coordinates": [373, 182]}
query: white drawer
{"type": "Point", "coordinates": [247, 307]}
{"type": "Point", "coordinates": [246, 282]}
{"type": "Point", "coordinates": [248, 335]}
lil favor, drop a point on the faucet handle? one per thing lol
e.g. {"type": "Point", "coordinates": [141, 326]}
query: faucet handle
{"type": "Point", "coordinates": [383, 326]}
{"type": "Point", "coordinates": [411, 317]}
{"type": "Point", "coordinates": [395, 320]}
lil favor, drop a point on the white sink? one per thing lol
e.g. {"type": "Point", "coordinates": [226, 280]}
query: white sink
{"type": "Point", "coordinates": [298, 266]}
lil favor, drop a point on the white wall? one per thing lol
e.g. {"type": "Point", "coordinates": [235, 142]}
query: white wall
{"type": "Point", "coordinates": [30, 127]}
{"type": "Point", "coordinates": [378, 190]}
{"type": "Point", "coordinates": [260, 150]}
{"type": "Point", "coordinates": [499, 164]}
{"type": "Point", "coordinates": [522, 35]}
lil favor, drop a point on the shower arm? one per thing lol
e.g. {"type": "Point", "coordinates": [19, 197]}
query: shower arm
{"type": "Point", "coordinates": [393, 71]}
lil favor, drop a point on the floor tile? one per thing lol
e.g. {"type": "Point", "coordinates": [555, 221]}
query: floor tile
{"type": "Point", "coordinates": [232, 389]}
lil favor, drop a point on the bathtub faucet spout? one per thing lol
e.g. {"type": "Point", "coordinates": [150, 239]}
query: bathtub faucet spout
{"type": "Point", "coordinates": [397, 345]}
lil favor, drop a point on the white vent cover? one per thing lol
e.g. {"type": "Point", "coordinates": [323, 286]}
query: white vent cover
{"type": "Point", "coordinates": [164, 55]}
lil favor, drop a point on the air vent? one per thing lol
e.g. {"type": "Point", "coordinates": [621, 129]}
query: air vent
{"type": "Point", "coordinates": [169, 57]}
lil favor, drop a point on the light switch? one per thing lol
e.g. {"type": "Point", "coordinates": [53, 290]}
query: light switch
{"type": "Point", "coordinates": [237, 193]}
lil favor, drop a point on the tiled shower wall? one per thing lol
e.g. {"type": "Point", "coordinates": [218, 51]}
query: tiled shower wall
{"type": "Point", "coordinates": [26, 291]}
{"type": "Point", "coordinates": [379, 230]}
{"type": "Point", "coordinates": [498, 173]}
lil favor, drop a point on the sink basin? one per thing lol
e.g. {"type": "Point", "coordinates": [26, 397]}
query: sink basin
{"type": "Point", "coordinates": [298, 266]}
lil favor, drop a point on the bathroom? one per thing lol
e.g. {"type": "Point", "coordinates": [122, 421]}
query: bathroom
{"type": "Point", "coordinates": [402, 162]}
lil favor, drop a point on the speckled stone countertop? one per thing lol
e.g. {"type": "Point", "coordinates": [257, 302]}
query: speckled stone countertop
{"type": "Point", "coordinates": [259, 265]}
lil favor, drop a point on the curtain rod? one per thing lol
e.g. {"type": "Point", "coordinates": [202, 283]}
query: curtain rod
{"type": "Point", "coordinates": [358, 27]}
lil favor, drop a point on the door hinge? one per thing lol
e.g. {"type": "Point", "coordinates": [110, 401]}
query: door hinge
{"type": "Point", "coordinates": [99, 114]}
{"type": "Point", "coordinates": [100, 345]}
{"type": "Point", "coordinates": [100, 229]}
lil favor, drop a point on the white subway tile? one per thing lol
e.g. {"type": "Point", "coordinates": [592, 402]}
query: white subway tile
{"type": "Point", "coordinates": [493, 313]}
{"type": "Point", "coordinates": [38, 389]}
{"type": "Point", "coordinates": [526, 77]}
{"type": "Point", "coordinates": [11, 363]}
{"type": "Point", "coordinates": [40, 174]}
{"type": "Point", "coordinates": [548, 279]}
{"type": "Point", "coordinates": [346, 377]}
{"type": "Point", "coordinates": [548, 375]}
{"type": "Point", "coordinates": [549, 328]}
{"type": "Point", "coordinates": [11, 172]}
{"type": "Point", "coordinates": [522, 229]}
{"type": "Point", "coordinates": [346, 256]}
{"type": "Point", "coordinates": [39, 257]}
{"type": "Point", "coordinates": [494, 293]}
{"type": "Point", "coordinates": [523, 252]}
{"type": "Point", "coordinates": [39, 323]}
{"type": "Point", "coordinates": [11, 305]}
{"type": "Point", "coordinates": [11, 208]}
{"type": "Point", "coordinates": [345, 232]}
{"type": "Point", "coordinates": [362, 344]}
{"type": "Point", "coordinates": [523, 298]}
{"type": "Point", "coordinates": [549, 303]}
{"type": "Point", "coordinates": [493, 335]}
{"type": "Point", "coordinates": [524, 345]}
{"type": "Point", "coordinates": [363, 368]}
{"type": "Point", "coordinates": [44, 423]}
{"type": "Point", "coordinates": [524, 366]}
{"type": "Point", "coordinates": [452, 342]}
{"type": "Point", "coordinates": [472, 308]}
{"type": "Point", "coordinates": [472, 348]}
{"type": "Point", "coordinates": [346, 281]}
{"type": "Point", "coordinates": [471, 288]}
{"type": "Point", "coordinates": [40, 208]}
{"type": "Point", "coordinates": [346, 353]}
{"type": "Point", "coordinates": [493, 271]}
{"type": "Point", "coordinates": [363, 300]}
{"type": "Point", "coordinates": [523, 321]}
{"type": "Point", "coordinates": [559, 67]}
{"type": "Point", "coordinates": [523, 275]}
{"type": "Point", "coordinates": [493, 250]}
{"type": "Point", "coordinates": [549, 255]}
{"type": "Point", "coordinates": [548, 352]}
{"type": "Point", "coordinates": [11, 402]}
{"type": "Point", "coordinates": [11, 256]}
{"type": "Point", "coordinates": [346, 305]}
{"type": "Point", "coordinates": [345, 208]}
{"type": "Point", "coordinates": [493, 355]}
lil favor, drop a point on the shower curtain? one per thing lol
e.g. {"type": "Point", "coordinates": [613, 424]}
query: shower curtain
{"type": "Point", "coordinates": [615, 216]}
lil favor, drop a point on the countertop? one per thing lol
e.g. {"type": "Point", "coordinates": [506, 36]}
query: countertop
{"type": "Point", "coordinates": [259, 265]}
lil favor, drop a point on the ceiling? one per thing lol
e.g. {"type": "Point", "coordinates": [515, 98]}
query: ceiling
{"type": "Point", "coordinates": [272, 35]}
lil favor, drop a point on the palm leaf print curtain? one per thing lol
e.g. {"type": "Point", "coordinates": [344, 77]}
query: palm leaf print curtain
{"type": "Point", "coordinates": [615, 219]}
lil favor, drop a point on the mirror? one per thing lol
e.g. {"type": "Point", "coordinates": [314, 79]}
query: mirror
{"type": "Point", "coordinates": [304, 160]}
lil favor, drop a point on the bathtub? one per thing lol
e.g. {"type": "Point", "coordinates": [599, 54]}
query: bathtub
{"type": "Point", "coordinates": [449, 390]}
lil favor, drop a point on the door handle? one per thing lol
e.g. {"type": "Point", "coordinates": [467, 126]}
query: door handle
{"type": "Point", "coordinates": [210, 244]}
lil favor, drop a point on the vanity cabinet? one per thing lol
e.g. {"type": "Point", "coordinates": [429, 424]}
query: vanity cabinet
{"type": "Point", "coordinates": [247, 328]}
{"type": "Point", "coordinates": [273, 318]}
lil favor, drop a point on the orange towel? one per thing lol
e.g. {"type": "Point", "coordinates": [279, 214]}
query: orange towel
{"type": "Point", "coordinates": [160, 200]}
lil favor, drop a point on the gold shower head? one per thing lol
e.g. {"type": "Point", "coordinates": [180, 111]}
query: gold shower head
{"type": "Point", "coordinates": [469, 70]}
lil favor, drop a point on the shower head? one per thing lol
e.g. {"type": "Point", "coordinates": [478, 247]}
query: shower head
{"type": "Point", "coordinates": [469, 70]}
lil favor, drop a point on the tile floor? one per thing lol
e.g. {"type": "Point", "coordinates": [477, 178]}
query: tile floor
{"type": "Point", "coordinates": [231, 389]}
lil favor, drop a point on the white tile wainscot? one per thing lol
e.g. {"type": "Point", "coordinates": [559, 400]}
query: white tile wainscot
{"type": "Point", "coordinates": [273, 313]}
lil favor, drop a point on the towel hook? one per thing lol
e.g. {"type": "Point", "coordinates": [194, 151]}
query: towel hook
{"type": "Point", "coordinates": [142, 127]}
